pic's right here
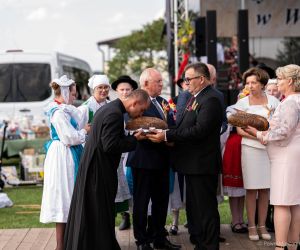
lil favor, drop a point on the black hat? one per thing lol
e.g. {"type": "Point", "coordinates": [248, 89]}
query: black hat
{"type": "Point", "coordinates": [179, 82]}
{"type": "Point", "coordinates": [270, 71]}
{"type": "Point", "coordinates": [124, 78]}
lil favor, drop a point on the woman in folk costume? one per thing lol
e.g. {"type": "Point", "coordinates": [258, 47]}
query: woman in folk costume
{"type": "Point", "coordinates": [124, 85]}
{"type": "Point", "coordinates": [100, 86]}
{"type": "Point", "coordinates": [63, 156]}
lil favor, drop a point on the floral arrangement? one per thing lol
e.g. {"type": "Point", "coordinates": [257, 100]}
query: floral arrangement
{"type": "Point", "coordinates": [271, 111]}
{"type": "Point", "coordinates": [166, 108]}
{"type": "Point", "coordinates": [192, 107]}
{"type": "Point", "coordinates": [173, 108]}
{"type": "Point", "coordinates": [172, 105]}
{"type": "Point", "coordinates": [245, 92]}
{"type": "Point", "coordinates": [185, 37]}
{"type": "Point", "coordinates": [185, 34]}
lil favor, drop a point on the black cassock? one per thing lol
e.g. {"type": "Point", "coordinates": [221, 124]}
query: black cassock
{"type": "Point", "coordinates": [91, 221]}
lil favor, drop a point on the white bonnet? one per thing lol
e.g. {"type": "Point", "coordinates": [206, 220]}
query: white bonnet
{"type": "Point", "coordinates": [272, 81]}
{"type": "Point", "coordinates": [97, 80]}
{"type": "Point", "coordinates": [64, 81]}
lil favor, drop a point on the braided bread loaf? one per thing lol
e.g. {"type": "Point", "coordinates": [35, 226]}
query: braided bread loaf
{"type": "Point", "coordinates": [243, 119]}
{"type": "Point", "coordinates": [146, 122]}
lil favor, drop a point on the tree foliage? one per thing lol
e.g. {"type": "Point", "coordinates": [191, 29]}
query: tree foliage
{"type": "Point", "coordinates": [290, 54]}
{"type": "Point", "coordinates": [142, 48]}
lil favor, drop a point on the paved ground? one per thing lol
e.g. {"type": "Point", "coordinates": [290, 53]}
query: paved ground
{"type": "Point", "coordinates": [44, 238]}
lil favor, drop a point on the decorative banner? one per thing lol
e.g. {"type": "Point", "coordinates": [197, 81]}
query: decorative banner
{"type": "Point", "coordinates": [267, 18]}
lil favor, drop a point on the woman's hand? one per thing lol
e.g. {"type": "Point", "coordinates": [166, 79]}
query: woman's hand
{"type": "Point", "coordinates": [258, 134]}
{"type": "Point", "coordinates": [250, 130]}
{"type": "Point", "coordinates": [87, 128]}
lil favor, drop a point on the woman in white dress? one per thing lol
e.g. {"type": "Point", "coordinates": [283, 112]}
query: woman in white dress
{"type": "Point", "coordinates": [124, 85]}
{"type": "Point", "coordinates": [63, 156]}
{"type": "Point", "coordinates": [283, 140]}
{"type": "Point", "coordinates": [255, 161]}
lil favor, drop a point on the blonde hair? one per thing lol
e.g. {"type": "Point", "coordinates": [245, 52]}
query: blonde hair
{"type": "Point", "coordinates": [290, 71]}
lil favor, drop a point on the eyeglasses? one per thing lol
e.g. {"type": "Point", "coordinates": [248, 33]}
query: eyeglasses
{"type": "Point", "coordinates": [103, 87]}
{"type": "Point", "coordinates": [188, 80]}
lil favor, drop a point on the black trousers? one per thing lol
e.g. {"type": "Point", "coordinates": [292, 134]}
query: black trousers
{"type": "Point", "coordinates": [150, 184]}
{"type": "Point", "coordinates": [202, 210]}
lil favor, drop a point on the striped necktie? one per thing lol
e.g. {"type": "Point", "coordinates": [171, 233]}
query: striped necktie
{"type": "Point", "coordinates": [156, 104]}
{"type": "Point", "coordinates": [190, 103]}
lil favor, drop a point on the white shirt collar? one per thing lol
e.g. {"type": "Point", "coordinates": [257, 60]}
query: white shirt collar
{"type": "Point", "coordinates": [200, 91]}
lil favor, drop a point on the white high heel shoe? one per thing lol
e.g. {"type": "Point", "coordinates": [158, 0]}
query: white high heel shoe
{"type": "Point", "coordinates": [264, 236]}
{"type": "Point", "coordinates": [253, 237]}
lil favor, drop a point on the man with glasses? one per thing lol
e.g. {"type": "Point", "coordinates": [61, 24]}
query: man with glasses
{"type": "Point", "coordinates": [197, 155]}
{"type": "Point", "coordinates": [150, 164]}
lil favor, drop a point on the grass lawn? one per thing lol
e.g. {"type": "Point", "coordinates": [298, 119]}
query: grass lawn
{"type": "Point", "coordinates": [26, 209]}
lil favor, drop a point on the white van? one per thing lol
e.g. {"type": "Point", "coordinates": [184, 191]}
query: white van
{"type": "Point", "coordinates": [25, 78]}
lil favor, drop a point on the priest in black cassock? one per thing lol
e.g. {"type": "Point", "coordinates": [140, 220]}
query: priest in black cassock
{"type": "Point", "coordinates": [91, 221]}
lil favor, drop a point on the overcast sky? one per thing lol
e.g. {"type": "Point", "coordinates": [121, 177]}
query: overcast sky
{"type": "Point", "coordinates": [72, 26]}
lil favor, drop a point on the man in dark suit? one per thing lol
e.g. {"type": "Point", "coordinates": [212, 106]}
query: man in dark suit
{"type": "Point", "coordinates": [197, 155]}
{"type": "Point", "coordinates": [150, 165]}
{"type": "Point", "coordinates": [213, 83]}
{"type": "Point", "coordinates": [91, 220]}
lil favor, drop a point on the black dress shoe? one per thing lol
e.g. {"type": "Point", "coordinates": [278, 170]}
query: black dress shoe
{"type": "Point", "coordinates": [192, 240]}
{"type": "Point", "coordinates": [222, 239]}
{"type": "Point", "coordinates": [173, 230]}
{"type": "Point", "coordinates": [125, 224]}
{"type": "Point", "coordinates": [145, 246]}
{"type": "Point", "coordinates": [167, 245]}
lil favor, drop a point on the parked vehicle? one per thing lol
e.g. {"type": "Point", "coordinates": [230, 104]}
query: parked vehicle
{"type": "Point", "coordinates": [25, 78]}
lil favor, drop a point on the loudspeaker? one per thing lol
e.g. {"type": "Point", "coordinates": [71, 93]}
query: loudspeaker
{"type": "Point", "coordinates": [200, 42]}
{"type": "Point", "coordinates": [211, 37]}
{"type": "Point", "coordinates": [243, 40]}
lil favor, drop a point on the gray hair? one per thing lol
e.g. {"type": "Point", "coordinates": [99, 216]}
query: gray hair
{"type": "Point", "coordinates": [200, 68]}
{"type": "Point", "coordinates": [146, 75]}
{"type": "Point", "coordinates": [272, 81]}
{"type": "Point", "coordinates": [290, 71]}
{"type": "Point", "coordinates": [212, 72]}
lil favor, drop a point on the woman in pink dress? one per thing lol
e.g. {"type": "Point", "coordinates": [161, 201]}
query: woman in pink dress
{"type": "Point", "coordinates": [283, 146]}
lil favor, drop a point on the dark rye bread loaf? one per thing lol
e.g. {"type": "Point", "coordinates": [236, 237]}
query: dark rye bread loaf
{"type": "Point", "coordinates": [146, 122]}
{"type": "Point", "coordinates": [243, 119]}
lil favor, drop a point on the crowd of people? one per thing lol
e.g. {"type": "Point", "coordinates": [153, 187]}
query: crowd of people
{"type": "Point", "coordinates": [95, 168]}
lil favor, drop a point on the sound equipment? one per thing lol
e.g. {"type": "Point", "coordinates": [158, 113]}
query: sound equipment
{"type": "Point", "coordinates": [243, 40]}
{"type": "Point", "coordinates": [211, 37]}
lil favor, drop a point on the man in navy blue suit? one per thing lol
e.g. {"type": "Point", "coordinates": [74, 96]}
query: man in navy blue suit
{"type": "Point", "coordinates": [150, 164]}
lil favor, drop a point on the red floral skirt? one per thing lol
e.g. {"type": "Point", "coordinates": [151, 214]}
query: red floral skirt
{"type": "Point", "coordinates": [232, 169]}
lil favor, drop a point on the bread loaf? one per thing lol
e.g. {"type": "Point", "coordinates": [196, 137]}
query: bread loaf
{"type": "Point", "coordinates": [146, 122]}
{"type": "Point", "coordinates": [243, 119]}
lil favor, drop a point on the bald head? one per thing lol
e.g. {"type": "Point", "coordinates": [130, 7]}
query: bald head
{"type": "Point", "coordinates": [213, 73]}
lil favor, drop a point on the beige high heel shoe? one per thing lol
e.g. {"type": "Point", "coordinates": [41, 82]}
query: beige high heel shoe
{"type": "Point", "coordinates": [253, 237]}
{"type": "Point", "coordinates": [263, 235]}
